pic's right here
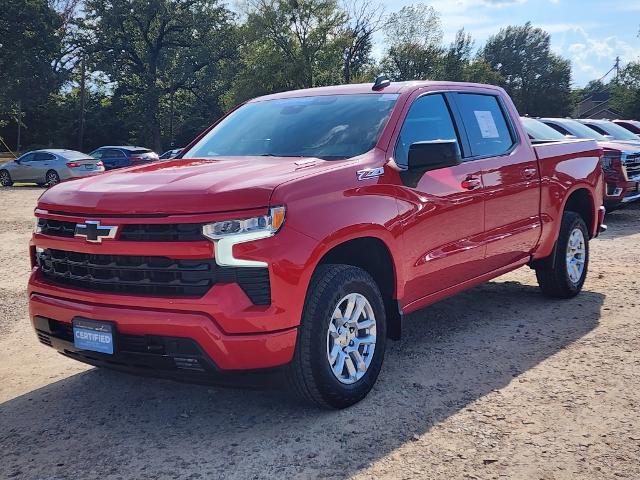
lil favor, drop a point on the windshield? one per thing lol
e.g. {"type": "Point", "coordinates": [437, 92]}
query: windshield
{"type": "Point", "coordinates": [618, 132]}
{"type": "Point", "coordinates": [328, 127]}
{"type": "Point", "coordinates": [582, 131]}
{"type": "Point", "coordinates": [539, 131]}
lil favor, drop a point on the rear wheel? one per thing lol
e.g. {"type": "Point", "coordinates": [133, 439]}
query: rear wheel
{"type": "Point", "coordinates": [565, 275]}
{"type": "Point", "coordinates": [52, 178]}
{"type": "Point", "coordinates": [341, 340]}
{"type": "Point", "coordinates": [5, 178]}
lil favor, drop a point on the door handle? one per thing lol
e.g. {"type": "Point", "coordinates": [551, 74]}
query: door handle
{"type": "Point", "coordinates": [529, 173]}
{"type": "Point", "coordinates": [471, 183]}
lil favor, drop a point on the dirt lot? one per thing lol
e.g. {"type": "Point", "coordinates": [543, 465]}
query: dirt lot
{"type": "Point", "coordinates": [498, 382]}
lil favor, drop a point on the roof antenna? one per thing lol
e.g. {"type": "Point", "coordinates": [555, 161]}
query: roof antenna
{"type": "Point", "coordinates": [381, 81]}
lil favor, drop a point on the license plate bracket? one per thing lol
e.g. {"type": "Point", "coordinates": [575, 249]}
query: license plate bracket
{"type": "Point", "coordinates": [94, 335]}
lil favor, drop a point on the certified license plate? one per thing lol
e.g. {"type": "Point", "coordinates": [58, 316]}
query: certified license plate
{"type": "Point", "coordinates": [93, 335]}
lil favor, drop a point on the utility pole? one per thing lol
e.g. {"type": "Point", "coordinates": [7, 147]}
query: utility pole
{"type": "Point", "coordinates": [171, 121]}
{"type": "Point", "coordinates": [82, 105]}
{"type": "Point", "coordinates": [617, 67]}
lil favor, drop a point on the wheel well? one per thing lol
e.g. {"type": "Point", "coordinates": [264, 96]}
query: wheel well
{"type": "Point", "coordinates": [580, 202]}
{"type": "Point", "coordinates": [373, 256]}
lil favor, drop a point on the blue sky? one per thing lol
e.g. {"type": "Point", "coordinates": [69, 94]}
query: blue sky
{"type": "Point", "coordinates": [590, 33]}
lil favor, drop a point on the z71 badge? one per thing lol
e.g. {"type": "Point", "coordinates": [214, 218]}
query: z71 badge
{"type": "Point", "coordinates": [370, 173]}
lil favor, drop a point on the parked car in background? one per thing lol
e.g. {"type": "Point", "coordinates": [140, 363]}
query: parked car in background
{"type": "Point", "coordinates": [48, 167]}
{"type": "Point", "coordinates": [611, 130]}
{"type": "Point", "coordinates": [539, 132]}
{"type": "Point", "coordinates": [123, 156]}
{"type": "Point", "coordinates": [170, 154]}
{"type": "Point", "coordinates": [299, 230]}
{"type": "Point", "coordinates": [632, 125]}
{"type": "Point", "coordinates": [621, 161]}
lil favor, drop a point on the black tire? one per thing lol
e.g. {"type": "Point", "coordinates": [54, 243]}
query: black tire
{"type": "Point", "coordinates": [5, 178]}
{"type": "Point", "coordinates": [553, 276]}
{"type": "Point", "coordinates": [52, 178]}
{"type": "Point", "coordinates": [310, 375]}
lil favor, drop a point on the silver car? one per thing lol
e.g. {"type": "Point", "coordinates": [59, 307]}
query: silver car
{"type": "Point", "coordinates": [48, 167]}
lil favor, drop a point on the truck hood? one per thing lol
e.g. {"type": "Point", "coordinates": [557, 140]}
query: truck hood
{"type": "Point", "coordinates": [621, 146]}
{"type": "Point", "coordinates": [181, 186]}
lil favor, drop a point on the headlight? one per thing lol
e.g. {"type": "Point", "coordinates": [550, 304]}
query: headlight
{"type": "Point", "coordinates": [37, 228]}
{"type": "Point", "coordinates": [227, 233]}
{"type": "Point", "coordinates": [270, 223]}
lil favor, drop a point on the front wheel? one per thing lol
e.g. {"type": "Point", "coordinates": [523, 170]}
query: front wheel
{"type": "Point", "coordinates": [52, 178]}
{"type": "Point", "coordinates": [565, 275]}
{"type": "Point", "coordinates": [341, 340]}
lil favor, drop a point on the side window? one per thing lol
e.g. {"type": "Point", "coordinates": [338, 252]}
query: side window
{"type": "Point", "coordinates": [428, 119]}
{"type": "Point", "coordinates": [558, 128]}
{"type": "Point", "coordinates": [597, 129]}
{"type": "Point", "coordinates": [486, 125]}
{"type": "Point", "coordinates": [115, 154]}
{"type": "Point", "coordinates": [97, 154]}
{"type": "Point", "coordinates": [43, 157]}
{"type": "Point", "coordinates": [27, 158]}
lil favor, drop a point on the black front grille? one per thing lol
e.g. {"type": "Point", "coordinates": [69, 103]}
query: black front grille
{"type": "Point", "coordinates": [173, 232]}
{"type": "Point", "coordinates": [146, 275]}
{"type": "Point", "coordinates": [129, 273]}
{"type": "Point", "coordinates": [56, 228]}
{"type": "Point", "coordinates": [178, 232]}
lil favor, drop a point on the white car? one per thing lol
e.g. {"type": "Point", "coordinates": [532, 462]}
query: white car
{"type": "Point", "coordinates": [48, 167]}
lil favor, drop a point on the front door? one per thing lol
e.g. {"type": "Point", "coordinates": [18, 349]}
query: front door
{"type": "Point", "coordinates": [442, 209]}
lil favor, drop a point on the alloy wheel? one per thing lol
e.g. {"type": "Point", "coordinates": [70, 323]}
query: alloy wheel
{"type": "Point", "coordinates": [351, 338]}
{"type": "Point", "coordinates": [576, 255]}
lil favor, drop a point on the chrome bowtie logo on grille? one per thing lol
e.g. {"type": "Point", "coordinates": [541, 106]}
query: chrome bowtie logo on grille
{"type": "Point", "coordinates": [93, 232]}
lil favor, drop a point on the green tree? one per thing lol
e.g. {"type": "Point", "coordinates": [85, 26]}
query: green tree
{"type": "Point", "coordinates": [153, 49]}
{"type": "Point", "coordinates": [413, 36]}
{"type": "Point", "coordinates": [537, 79]}
{"type": "Point", "coordinates": [29, 45]}
{"type": "Point", "coordinates": [626, 91]}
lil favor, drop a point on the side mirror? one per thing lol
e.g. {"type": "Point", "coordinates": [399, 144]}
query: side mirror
{"type": "Point", "coordinates": [17, 161]}
{"type": "Point", "coordinates": [434, 154]}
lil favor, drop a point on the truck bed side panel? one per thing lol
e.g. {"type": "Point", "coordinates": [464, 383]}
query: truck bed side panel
{"type": "Point", "coordinates": [566, 167]}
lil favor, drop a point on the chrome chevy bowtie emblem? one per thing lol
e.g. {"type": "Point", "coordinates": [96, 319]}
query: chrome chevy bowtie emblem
{"type": "Point", "coordinates": [93, 232]}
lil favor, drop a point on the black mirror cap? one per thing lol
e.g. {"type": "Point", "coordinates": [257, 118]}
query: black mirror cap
{"type": "Point", "coordinates": [434, 154]}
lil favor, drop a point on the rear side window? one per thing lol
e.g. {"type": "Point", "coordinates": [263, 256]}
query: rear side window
{"type": "Point", "coordinates": [112, 153]}
{"type": "Point", "coordinates": [486, 125]}
{"type": "Point", "coordinates": [428, 119]}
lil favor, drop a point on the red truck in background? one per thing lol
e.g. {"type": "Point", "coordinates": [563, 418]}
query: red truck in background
{"type": "Point", "coordinates": [296, 232]}
{"type": "Point", "coordinates": [620, 161]}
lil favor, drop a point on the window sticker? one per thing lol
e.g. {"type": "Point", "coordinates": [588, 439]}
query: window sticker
{"type": "Point", "coordinates": [486, 123]}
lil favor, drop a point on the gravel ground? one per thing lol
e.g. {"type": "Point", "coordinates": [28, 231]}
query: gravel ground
{"type": "Point", "coordinates": [498, 382]}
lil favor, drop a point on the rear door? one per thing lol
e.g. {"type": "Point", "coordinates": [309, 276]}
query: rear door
{"type": "Point", "coordinates": [114, 158]}
{"type": "Point", "coordinates": [43, 163]}
{"type": "Point", "coordinates": [443, 209]}
{"type": "Point", "coordinates": [510, 177]}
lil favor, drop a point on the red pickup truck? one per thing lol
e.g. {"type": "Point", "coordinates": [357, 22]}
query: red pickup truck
{"type": "Point", "coordinates": [295, 233]}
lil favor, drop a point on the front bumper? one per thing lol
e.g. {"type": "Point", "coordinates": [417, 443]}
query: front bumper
{"type": "Point", "coordinates": [622, 191]}
{"type": "Point", "coordinates": [221, 352]}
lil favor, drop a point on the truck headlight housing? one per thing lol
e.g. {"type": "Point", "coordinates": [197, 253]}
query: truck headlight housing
{"type": "Point", "coordinates": [227, 233]}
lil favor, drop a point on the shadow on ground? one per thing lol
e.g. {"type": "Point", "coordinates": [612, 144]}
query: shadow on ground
{"type": "Point", "coordinates": [103, 424]}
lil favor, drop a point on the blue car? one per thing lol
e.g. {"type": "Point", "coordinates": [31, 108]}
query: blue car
{"type": "Point", "coordinates": [123, 156]}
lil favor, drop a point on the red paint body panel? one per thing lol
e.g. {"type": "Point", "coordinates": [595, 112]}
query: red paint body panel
{"type": "Point", "coordinates": [442, 236]}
